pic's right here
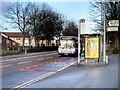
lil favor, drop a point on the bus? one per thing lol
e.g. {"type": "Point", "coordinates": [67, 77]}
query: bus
{"type": "Point", "coordinates": [68, 45]}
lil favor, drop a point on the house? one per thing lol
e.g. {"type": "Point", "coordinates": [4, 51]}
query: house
{"type": "Point", "coordinates": [7, 43]}
{"type": "Point", "coordinates": [18, 38]}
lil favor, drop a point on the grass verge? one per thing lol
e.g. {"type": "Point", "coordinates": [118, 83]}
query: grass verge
{"type": "Point", "coordinates": [9, 52]}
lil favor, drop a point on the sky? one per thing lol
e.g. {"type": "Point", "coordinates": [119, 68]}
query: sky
{"type": "Point", "coordinates": [74, 11]}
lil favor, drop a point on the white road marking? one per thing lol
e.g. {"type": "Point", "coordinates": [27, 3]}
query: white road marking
{"type": "Point", "coordinates": [57, 64]}
{"type": "Point", "coordinates": [65, 67]}
{"type": "Point", "coordinates": [5, 66]}
{"type": "Point", "coordinates": [49, 57]}
{"type": "Point", "coordinates": [31, 61]}
{"type": "Point", "coordinates": [33, 80]}
{"type": "Point", "coordinates": [26, 57]}
{"type": "Point", "coordinates": [24, 62]}
{"type": "Point", "coordinates": [39, 59]}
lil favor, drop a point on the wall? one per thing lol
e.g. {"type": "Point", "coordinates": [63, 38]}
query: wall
{"type": "Point", "coordinates": [10, 45]}
{"type": "Point", "coordinates": [20, 40]}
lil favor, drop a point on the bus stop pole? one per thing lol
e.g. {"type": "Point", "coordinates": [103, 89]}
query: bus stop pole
{"type": "Point", "coordinates": [78, 42]}
{"type": "Point", "coordinates": [104, 51]}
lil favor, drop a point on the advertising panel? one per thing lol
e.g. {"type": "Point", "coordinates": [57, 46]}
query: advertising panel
{"type": "Point", "coordinates": [92, 47]}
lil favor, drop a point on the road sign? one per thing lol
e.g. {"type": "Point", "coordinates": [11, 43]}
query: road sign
{"type": "Point", "coordinates": [113, 23]}
{"type": "Point", "coordinates": [112, 29]}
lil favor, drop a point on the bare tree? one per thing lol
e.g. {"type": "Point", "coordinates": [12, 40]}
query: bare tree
{"type": "Point", "coordinates": [112, 13]}
{"type": "Point", "coordinates": [17, 15]}
{"type": "Point", "coordinates": [96, 15]}
{"type": "Point", "coordinates": [70, 29]}
{"type": "Point", "coordinates": [48, 24]}
{"type": "Point", "coordinates": [33, 21]}
{"type": "Point", "coordinates": [60, 24]}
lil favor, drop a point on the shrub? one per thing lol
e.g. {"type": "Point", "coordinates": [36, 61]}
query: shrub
{"type": "Point", "coordinates": [10, 52]}
{"type": "Point", "coordinates": [42, 48]}
{"type": "Point", "coordinates": [115, 50]}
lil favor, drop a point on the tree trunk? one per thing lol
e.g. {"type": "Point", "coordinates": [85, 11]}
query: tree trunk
{"type": "Point", "coordinates": [49, 42]}
{"type": "Point", "coordinates": [30, 41]}
{"type": "Point", "coordinates": [46, 42]}
{"type": "Point", "coordinates": [23, 46]}
{"type": "Point", "coordinates": [36, 41]}
{"type": "Point", "coordinates": [42, 43]}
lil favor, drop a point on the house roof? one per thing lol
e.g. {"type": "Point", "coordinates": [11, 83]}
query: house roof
{"type": "Point", "coordinates": [8, 39]}
{"type": "Point", "coordinates": [13, 34]}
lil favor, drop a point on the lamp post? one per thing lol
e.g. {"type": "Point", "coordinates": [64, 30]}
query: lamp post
{"type": "Point", "coordinates": [104, 48]}
{"type": "Point", "coordinates": [79, 29]}
{"type": "Point", "coordinates": [0, 41]}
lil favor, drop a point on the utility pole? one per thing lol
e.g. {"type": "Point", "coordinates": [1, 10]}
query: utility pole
{"type": "Point", "coordinates": [0, 41]}
{"type": "Point", "coordinates": [79, 41]}
{"type": "Point", "coordinates": [104, 48]}
{"type": "Point", "coordinates": [119, 28]}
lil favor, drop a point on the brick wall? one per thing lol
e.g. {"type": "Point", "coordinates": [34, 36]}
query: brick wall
{"type": "Point", "coordinates": [12, 45]}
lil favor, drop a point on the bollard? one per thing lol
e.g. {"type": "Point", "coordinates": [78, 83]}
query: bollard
{"type": "Point", "coordinates": [86, 60]}
{"type": "Point", "coordinates": [107, 59]}
{"type": "Point", "coordinates": [25, 51]}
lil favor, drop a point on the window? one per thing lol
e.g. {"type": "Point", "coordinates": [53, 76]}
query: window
{"type": "Point", "coordinates": [13, 43]}
{"type": "Point", "coordinates": [17, 38]}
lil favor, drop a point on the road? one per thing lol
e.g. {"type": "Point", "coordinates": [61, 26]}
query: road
{"type": "Point", "coordinates": [17, 71]}
{"type": "Point", "coordinates": [38, 71]}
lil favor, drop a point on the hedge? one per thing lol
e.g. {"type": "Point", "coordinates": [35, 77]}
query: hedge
{"type": "Point", "coordinates": [42, 48]}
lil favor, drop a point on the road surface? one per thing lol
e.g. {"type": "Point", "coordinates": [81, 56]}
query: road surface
{"type": "Point", "coordinates": [19, 70]}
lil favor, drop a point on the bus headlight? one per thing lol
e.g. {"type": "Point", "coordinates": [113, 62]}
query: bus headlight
{"type": "Point", "coordinates": [72, 50]}
{"type": "Point", "coordinates": [60, 50]}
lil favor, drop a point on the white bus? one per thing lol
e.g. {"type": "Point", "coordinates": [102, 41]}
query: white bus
{"type": "Point", "coordinates": [68, 45]}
